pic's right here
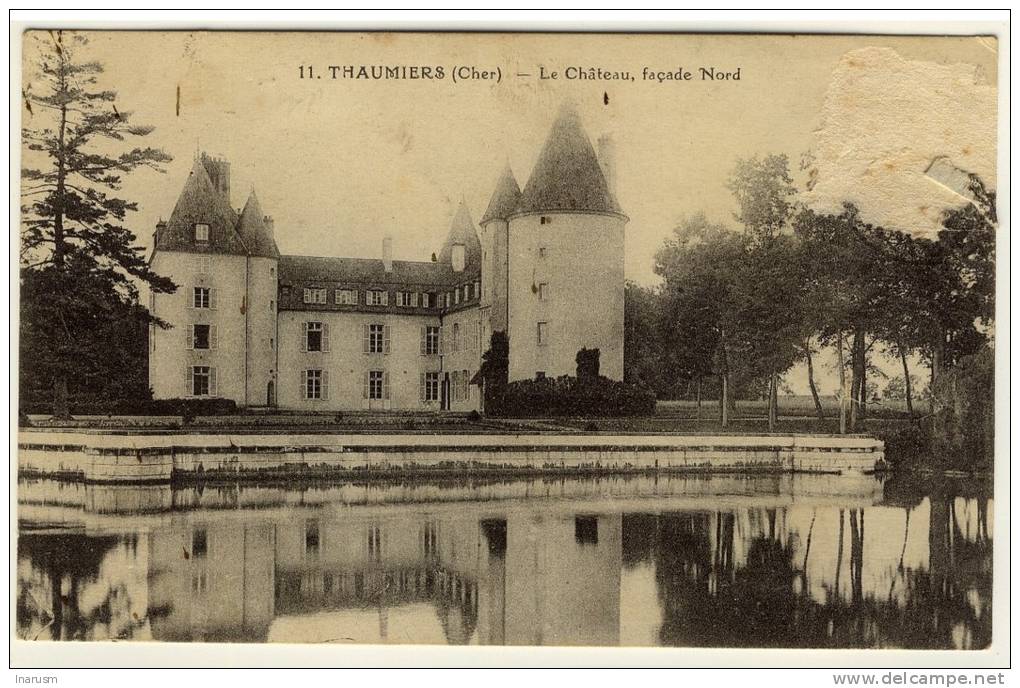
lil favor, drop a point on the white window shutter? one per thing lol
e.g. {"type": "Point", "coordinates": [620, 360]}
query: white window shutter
{"type": "Point", "coordinates": [189, 331]}
{"type": "Point", "coordinates": [212, 382]}
{"type": "Point", "coordinates": [364, 387]}
{"type": "Point", "coordinates": [386, 339]}
{"type": "Point", "coordinates": [189, 381]}
{"type": "Point", "coordinates": [365, 339]}
{"type": "Point", "coordinates": [212, 336]}
{"type": "Point", "coordinates": [385, 298]}
{"type": "Point", "coordinates": [421, 387]}
{"type": "Point", "coordinates": [325, 336]}
{"type": "Point", "coordinates": [355, 293]}
{"type": "Point", "coordinates": [212, 298]}
{"type": "Point", "coordinates": [424, 340]}
{"type": "Point", "coordinates": [325, 384]}
{"type": "Point", "coordinates": [386, 385]}
{"type": "Point", "coordinates": [442, 339]}
{"type": "Point", "coordinates": [191, 297]}
{"type": "Point", "coordinates": [304, 336]}
{"type": "Point", "coordinates": [303, 390]}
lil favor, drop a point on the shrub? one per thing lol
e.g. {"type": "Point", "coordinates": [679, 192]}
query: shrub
{"type": "Point", "coordinates": [568, 396]}
{"type": "Point", "coordinates": [587, 361]}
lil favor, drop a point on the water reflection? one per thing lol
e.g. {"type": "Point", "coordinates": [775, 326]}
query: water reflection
{"type": "Point", "coordinates": [799, 567]}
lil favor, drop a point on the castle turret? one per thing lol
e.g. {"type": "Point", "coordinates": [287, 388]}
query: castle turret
{"type": "Point", "coordinates": [259, 305]}
{"type": "Point", "coordinates": [495, 225]}
{"type": "Point", "coordinates": [566, 248]}
{"type": "Point", "coordinates": [461, 250]}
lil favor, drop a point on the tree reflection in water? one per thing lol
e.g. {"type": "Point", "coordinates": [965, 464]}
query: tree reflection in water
{"type": "Point", "coordinates": [766, 601]}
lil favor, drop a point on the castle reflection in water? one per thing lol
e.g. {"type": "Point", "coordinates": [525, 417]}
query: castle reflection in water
{"type": "Point", "coordinates": [901, 570]}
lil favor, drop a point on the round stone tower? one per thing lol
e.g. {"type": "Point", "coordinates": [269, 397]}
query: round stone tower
{"type": "Point", "coordinates": [565, 261]}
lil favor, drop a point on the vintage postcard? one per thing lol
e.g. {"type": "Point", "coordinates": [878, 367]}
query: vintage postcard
{"type": "Point", "coordinates": [679, 341]}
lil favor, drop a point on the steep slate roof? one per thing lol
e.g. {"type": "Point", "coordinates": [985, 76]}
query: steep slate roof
{"type": "Point", "coordinates": [567, 175]}
{"type": "Point", "coordinates": [462, 231]}
{"type": "Point", "coordinates": [253, 230]}
{"type": "Point", "coordinates": [365, 271]}
{"type": "Point", "coordinates": [504, 199]}
{"type": "Point", "coordinates": [201, 202]}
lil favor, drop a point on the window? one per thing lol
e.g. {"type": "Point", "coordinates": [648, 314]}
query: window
{"type": "Point", "coordinates": [545, 220]}
{"type": "Point", "coordinates": [201, 381]}
{"type": "Point", "coordinates": [316, 336]}
{"type": "Point", "coordinates": [314, 384]}
{"type": "Point", "coordinates": [202, 297]}
{"type": "Point", "coordinates": [541, 251]}
{"type": "Point", "coordinates": [376, 297]}
{"type": "Point", "coordinates": [346, 297]}
{"type": "Point", "coordinates": [377, 339]}
{"type": "Point", "coordinates": [200, 338]}
{"type": "Point", "coordinates": [315, 296]}
{"type": "Point", "coordinates": [543, 291]}
{"type": "Point", "coordinates": [202, 233]}
{"type": "Point", "coordinates": [540, 375]}
{"type": "Point", "coordinates": [428, 300]}
{"type": "Point", "coordinates": [455, 344]}
{"type": "Point", "coordinates": [430, 340]}
{"type": "Point", "coordinates": [311, 539]}
{"type": "Point", "coordinates": [586, 530]}
{"type": "Point", "coordinates": [429, 387]}
{"type": "Point", "coordinates": [404, 298]}
{"type": "Point", "coordinates": [460, 383]}
{"type": "Point", "coordinates": [414, 299]}
{"type": "Point", "coordinates": [378, 385]}
{"type": "Point", "coordinates": [272, 305]}
{"type": "Point", "coordinates": [543, 333]}
{"type": "Point", "coordinates": [199, 544]}
{"type": "Point", "coordinates": [205, 264]}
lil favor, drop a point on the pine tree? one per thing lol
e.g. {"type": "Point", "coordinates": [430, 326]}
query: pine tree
{"type": "Point", "coordinates": [72, 233]}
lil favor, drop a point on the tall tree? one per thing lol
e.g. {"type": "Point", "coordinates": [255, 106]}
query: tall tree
{"type": "Point", "coordinates": [69, 215]}
{"type": "Point", "coordinates": [700, 266]}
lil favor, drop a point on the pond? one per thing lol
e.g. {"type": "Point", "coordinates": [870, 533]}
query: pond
{"type": "Point", "coordinates": [721, 561]}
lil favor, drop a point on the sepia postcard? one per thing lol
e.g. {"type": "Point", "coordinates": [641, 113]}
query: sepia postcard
{"type": "Point", "coordinates": [676, 341]}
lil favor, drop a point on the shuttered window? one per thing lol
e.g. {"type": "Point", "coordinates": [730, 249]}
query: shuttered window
{"type": "Point", "coordinates": [428, 387]}
{"type": "Point", "coordinates": [201, 381]}
{"type": "Point", "coordinates": [376, 339]}
{"type": "Point", "coordinates": [316, 336]}
{"type": "Point", "coordinates": [377, 385]}
{"type": "Point", "coordinates": [315, 384]}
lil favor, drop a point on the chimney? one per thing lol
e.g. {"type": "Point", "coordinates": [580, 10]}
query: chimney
{"type": "Point", "coordinates": [387, 253]}
{"type": "Point", "coordinates": [457, 258]}
{"type": "Point", "coordinates": [607, 161]}
{"type": "Point", "coordinates": [268, 221]}
{"type": "Point", "coordinates": [218, 170]}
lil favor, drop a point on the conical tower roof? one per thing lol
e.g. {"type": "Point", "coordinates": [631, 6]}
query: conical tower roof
{"type": "Point", "coordinates": [505, 198]}
{"type": "Point", "coordinates": [567, 176]}
{"type": "Point", "coordinates": [462, 231]}
{"type": "Point", "coordinates": [254, 231]}
{"type": "Point", "coordinates": [200, 202]}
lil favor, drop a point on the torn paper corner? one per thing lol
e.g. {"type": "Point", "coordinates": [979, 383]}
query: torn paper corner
{"type": "Point", "coordinates": [900, 138]}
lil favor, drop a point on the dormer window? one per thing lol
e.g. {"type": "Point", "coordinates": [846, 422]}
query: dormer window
{"type": "Point", "coordinates": [201, 233]}
{"type": "Point", "coordinates": [457, 258]}
{"type": "Point", "coordinates": [545, 220]}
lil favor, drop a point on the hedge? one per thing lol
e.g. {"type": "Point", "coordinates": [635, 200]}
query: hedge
{"type": "Point", "coordinates": [568, 396]}
{"type": "Point", "coordinates": [205, 406]}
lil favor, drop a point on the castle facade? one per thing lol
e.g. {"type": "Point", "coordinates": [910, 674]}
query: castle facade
{"type": "Point", "coordinates": [320, 333]}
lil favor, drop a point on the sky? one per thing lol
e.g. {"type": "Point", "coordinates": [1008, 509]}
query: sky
{"type": "Point", "coordinates": [339, 163]}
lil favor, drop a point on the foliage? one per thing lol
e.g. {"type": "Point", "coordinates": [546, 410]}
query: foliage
{"type": "Point", "coordinates": [187, 408]}
{"type": "Point", "coordinates": [72, 232]}
{"type": "Point", "coordinates": [964, 403]}
{"type": "Point", "coordinates": [587, 364]}
{"type": "Point", "coordinates": [569, 396]}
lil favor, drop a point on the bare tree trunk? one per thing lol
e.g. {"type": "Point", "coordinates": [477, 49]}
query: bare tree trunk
{"type": "Point", "coordinates": [725, 381]}
{"type": "Point", "coordinates": [773, 398]}
{"type": "Point", "coordinates": [906, 381]}
{"type": "Point", "coordinates": [811, 381]}
{"type": "Point", "coordinates": [842, 383]}
{"type": "Point", "coordinates": [863, 389]}
{"type": "Point", "coordinates": [857, 377]}
{"type": "Point", "coordinates": [61, 408]}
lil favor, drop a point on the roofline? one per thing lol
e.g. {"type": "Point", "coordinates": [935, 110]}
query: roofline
{"type": "Point", "coordinates": [561, 211]}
